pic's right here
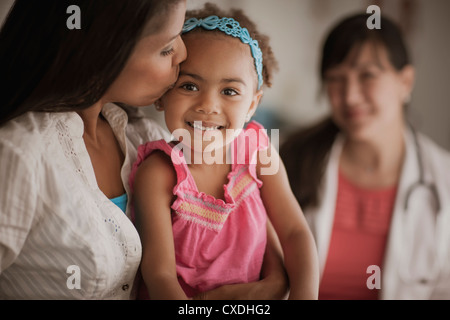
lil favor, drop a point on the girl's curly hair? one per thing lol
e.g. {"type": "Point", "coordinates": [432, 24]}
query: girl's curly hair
{"type": "Point", "coordinates": [270, 64]}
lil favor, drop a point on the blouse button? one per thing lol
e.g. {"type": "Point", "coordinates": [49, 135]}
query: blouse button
{"type": "Point", "coordinates": [125, 287]}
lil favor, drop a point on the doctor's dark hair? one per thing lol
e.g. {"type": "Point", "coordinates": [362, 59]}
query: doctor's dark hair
{"type": "Point", "coordinates": [352, 33]}
{"type": "Point", "coordinates": [48, 67]}
{"type": "Point", "coordinates": [305, 153]}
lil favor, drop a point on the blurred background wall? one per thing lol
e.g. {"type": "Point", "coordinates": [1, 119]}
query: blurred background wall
{"type": "Point", "coordinates": [297, 29]}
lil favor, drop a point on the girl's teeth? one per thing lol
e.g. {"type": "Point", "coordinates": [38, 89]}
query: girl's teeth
{"type": "Point", "coordinates": [200, 127]}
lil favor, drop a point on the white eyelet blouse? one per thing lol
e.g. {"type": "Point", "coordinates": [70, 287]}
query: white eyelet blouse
{"type": "Point", "coordinates": [60, 236]}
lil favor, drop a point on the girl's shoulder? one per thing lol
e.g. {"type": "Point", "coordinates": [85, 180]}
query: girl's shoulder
{"type": "Point", "coordinates": [159, 160]}
{"type": "Point", "coordinates": [259, 153]}
{"type": "Point", "coordinates": [156, 167]}
{"type": "Point", "coordinates": [152, 156]}
{"type": "Point", "coordinates": [247, 145]}
{"type": "Point", "coordinates": [147, 149]}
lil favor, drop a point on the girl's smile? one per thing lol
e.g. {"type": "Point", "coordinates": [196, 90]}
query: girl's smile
{"type": "Point", "coordinates": [211, 98]}
{"type": "Point", "coordinates": [204, 126]}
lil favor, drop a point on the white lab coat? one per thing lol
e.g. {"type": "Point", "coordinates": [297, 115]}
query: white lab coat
{"type": "Point", "coordinates": [417, 257]}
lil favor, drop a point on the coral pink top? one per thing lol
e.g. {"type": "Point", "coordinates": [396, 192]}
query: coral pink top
{"type": "Point", "coordinates": [358, 240]}
{"type": "Point", "coordinates": [217, 241]}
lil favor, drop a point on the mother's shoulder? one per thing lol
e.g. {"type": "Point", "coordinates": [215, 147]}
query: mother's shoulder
{"type": "Point", "coordinates": [34, 130]}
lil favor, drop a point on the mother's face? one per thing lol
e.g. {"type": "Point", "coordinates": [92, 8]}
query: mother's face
{"type": "Point", "coordinates": [367, 93]}
{"type": "Point", "coordinates": [154, 64]}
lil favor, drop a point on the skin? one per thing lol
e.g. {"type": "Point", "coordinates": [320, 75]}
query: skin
{"type": "Point", "coordinates": [217, 85]}
{"type": "Point", "coordinates": [150, 71]}
{"type": "Point", "coordinates": [367, 96]}
{"type": "Point", "coordinates": [217, 94]}
{"type": "Point", "coordinates": [221, 95]}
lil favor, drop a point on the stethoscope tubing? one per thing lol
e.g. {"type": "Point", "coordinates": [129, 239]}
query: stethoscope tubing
{"type": "Point", "coordinates": [421, 182]}
{"type": "Point", "coordinates": [433, 274]}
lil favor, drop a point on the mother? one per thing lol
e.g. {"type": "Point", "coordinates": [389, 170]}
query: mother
{"type": "Point", "coordinates": [68, 137]}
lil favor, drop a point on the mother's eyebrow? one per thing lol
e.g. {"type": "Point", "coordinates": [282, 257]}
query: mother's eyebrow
{"type": "Point", "coordinates": [175, 36]}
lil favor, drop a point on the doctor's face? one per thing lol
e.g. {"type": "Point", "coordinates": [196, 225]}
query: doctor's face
{"type": "Point", "coordinates": [367, 93]}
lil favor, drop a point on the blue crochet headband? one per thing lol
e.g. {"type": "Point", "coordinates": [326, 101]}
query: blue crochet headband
{"type": "Point", "coordinates": [233, 28]}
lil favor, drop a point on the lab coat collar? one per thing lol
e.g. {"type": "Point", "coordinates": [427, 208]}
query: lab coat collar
{"type": "Point", "coordinates": [395, 246]}
{"type": "Point", "coordinates": [414, 248]}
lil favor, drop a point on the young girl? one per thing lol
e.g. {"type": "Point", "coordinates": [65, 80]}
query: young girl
{"type": "Point", "coordinates": [203, 223]}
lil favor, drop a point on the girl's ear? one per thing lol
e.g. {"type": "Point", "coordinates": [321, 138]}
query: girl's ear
{"type": "Point", "coordinates": [255, 102]}
{"type": "Point", "coordinates": [159, 105]}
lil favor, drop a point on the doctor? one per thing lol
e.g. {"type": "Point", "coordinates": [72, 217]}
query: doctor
{"type": "Point", "coordinates": [375, 192]}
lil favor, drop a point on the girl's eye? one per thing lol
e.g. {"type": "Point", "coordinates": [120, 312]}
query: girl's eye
{"type": "Point", "coordinates": [189, 87]}
{"type": "Point", "coordinates": [229, 92]}
{"type": "Point", "coordinates": [167, 52]}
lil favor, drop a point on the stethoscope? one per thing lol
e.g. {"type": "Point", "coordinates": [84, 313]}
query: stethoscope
{"type": "Point", "coordinates": [421, 183]}
{"type": "Point", "coordinates": [430, 188]}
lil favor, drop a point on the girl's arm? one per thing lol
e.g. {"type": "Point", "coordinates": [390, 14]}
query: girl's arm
{"type": "Point", "coordinates": [300, 254]}
{"type": "Point", "coordinates": [155, 179]}
{"type": "Point", "coordinates": [273, 284]}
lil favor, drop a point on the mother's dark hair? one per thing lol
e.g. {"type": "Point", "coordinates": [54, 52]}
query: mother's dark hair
{"type": "Point", "coordinates": [47, 67]}
{"type": "Point", "coordinates": [305, 153]}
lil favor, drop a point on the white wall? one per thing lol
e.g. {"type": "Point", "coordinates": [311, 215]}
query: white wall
{"type": "Point", "coordinates": [297, 28]}
{"type": "Point", "coordinates": [431, 106]}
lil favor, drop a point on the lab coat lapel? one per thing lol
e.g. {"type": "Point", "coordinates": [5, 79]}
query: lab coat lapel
{"type": "Point", "coordinates": [321, 218]}
{"type": "Point", "coordinates": [405, 267]}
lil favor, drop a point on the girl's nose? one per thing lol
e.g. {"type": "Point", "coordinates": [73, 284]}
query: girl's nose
{"type": "Point", "coordinates": [207, 109]}
{"type": "Point", "coordinates": [208, 105]}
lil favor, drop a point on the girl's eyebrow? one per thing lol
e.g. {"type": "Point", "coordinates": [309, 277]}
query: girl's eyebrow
{"type": "Point", "coordinates": [239, 80]}
{"type": "Point", "coordinates": [192, 75]}
{"type": "Point", "coordinates": [200, 78]}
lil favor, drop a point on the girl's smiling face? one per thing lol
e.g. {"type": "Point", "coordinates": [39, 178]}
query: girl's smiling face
{"type": "Point", "coordinates": [216, 89]}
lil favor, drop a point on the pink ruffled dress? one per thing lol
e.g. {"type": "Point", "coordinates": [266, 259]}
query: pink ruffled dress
{"type": "Point", "coordinates": [217, 242]}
